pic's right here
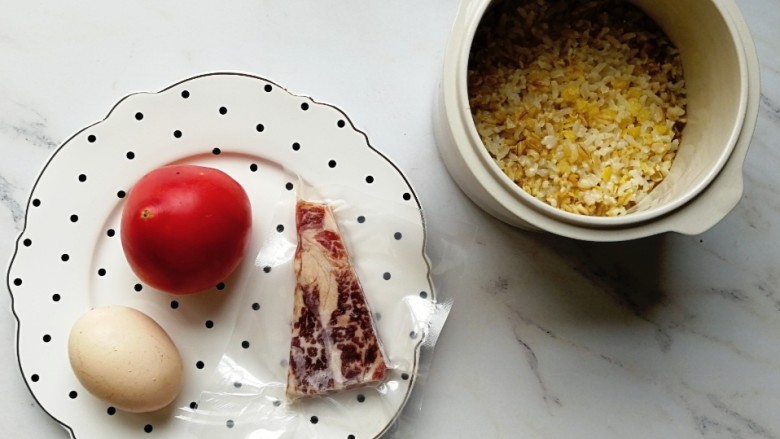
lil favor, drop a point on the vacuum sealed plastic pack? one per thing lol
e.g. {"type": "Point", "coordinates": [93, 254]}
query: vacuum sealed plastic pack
{"type": "Point", "coordinates": [236, 339]}
{"type": "Point", "coordinates": [252, 392]}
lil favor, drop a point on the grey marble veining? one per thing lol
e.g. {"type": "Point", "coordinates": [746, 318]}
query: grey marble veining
{"type": "Point", "coordinates": [8, 199]}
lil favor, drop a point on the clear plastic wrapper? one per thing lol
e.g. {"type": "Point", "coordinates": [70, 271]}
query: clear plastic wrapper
{"type": "Point", "coordinates": [388, 243]}
{"type": "Point", "coordinates": [233, 338]}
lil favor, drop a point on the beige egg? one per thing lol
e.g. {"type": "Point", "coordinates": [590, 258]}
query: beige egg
{"type": "Point", "coordinates": [125, 358]}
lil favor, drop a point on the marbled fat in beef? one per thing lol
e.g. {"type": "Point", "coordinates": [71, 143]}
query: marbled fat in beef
{"type": "Point", "coordinates": [334, 344]}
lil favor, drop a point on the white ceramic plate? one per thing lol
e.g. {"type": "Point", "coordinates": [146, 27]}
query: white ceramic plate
{"type": "Point", "coordinates": [235, 336]}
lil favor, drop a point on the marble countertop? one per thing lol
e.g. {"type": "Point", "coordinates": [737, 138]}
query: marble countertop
{"type": "Point", "coordinates": [666, 337]}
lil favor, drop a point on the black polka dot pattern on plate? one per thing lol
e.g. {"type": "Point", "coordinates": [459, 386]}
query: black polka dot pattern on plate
{"type": "Point", "coordinates": [324, 162]}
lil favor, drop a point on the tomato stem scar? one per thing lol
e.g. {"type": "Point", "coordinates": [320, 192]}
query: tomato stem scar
{"type": "Point", "coordinates": [146, 214]}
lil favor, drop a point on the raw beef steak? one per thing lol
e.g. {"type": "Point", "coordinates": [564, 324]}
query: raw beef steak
{"type": "Point", "coordinates": [334, 341]}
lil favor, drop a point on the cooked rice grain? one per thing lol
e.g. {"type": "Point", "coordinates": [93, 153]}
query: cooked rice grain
{"type": "Point", "coordinates": [581, 103]}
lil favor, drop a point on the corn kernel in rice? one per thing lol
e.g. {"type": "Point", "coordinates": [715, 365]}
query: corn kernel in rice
{"type": "Point", "coordinates": [580, 102]}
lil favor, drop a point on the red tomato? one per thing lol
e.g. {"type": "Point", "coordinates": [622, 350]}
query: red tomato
{"type": "Point", "coordinates": [185, 228]}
